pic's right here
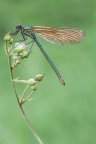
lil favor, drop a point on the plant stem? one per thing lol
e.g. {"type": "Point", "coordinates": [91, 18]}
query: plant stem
{"type": "Point", "coordinates": [24, 92]}
{"type": "Point", "coordinates": [20, 104]}
{"type": "Point", "coordinates": [30, 126]}
{"type": "Point", "coordinates": [25, 100]}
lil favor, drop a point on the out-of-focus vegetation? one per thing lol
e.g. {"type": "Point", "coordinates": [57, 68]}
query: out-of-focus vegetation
{"type": "Point", "coordinates": [60, 115]}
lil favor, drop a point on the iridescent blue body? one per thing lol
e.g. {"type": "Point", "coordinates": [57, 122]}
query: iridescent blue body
{"type": "Point", "coordinates": [26, 27]}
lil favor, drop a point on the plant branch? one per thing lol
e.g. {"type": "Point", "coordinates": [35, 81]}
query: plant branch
{"type": "Point", "coordinates": [19, 103]}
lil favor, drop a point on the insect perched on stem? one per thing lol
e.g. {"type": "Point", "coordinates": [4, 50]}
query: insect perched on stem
{"type": "Point", "coordinates": [55, 35]}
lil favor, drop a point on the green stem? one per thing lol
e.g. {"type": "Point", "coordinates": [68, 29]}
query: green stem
{"type": "Point", "coordinates": [30, 126]}
{"type": "Point", "coordinates": [20, 104]}
{"type": "Point", "coordinates": [24, 91]}
{"type": "Point", "coordinates": [25, 100]}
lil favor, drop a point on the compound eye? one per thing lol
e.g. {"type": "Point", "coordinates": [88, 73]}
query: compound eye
{"type": "Point", "coordinates": [18, 26]}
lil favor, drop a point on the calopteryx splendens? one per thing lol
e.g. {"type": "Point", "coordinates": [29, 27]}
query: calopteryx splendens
{"type": "Point", "coordinates": [55, 35]}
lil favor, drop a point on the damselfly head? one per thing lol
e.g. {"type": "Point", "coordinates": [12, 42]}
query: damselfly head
{"type": "Point", "coordinates": [18, 26]}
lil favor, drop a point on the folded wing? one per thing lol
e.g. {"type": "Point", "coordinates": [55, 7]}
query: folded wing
{"type": "Point", "coordinates": [59, 35]}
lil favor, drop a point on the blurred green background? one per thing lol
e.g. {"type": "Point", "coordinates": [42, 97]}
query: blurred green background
{"type": "Point", "coordinates": [60, 115]}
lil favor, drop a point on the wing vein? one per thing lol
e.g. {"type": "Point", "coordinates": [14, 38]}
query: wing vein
{"type": "Point", "coordinates": [59, 35]}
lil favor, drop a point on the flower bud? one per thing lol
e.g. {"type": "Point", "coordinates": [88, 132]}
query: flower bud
{"type": "Point", "coordinates": [39, 77]}
{"type": "Point", "coordinates": [19, 47]}
{"type": "Point", "coordinates": [25, 54]}
{"type": "Point", "coordinates": [34, 87]}
{"type": "Point", "coordinates": [15, 63]}
{"type": "Point", "coordinates": [8, 38]}
{"type": "Point", "coordinates": [15, 57]}
{"type": "Point", "coordinates": [31, 82]}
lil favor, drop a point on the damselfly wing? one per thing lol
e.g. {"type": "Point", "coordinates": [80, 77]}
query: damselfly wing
{"type": "Point", "coordinates": [59, 35]}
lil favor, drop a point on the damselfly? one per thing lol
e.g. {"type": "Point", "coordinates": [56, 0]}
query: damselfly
{"type": "Point", "coordinates": [55, 35]}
